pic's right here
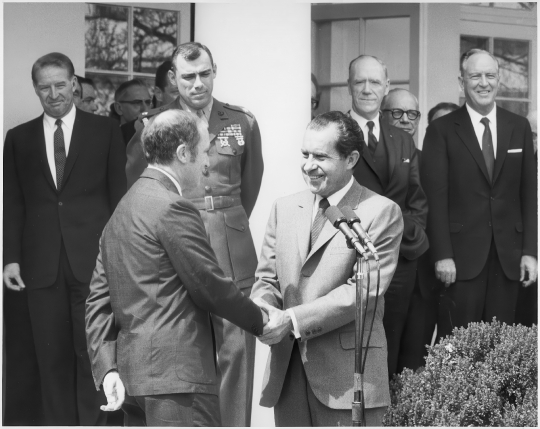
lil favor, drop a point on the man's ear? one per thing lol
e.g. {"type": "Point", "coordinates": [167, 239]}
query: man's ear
{"type": "Point", "coordinates": [352, 159]}
{"type": "Point", "coordinates": [172, 78]}
{"type": "Point", "coordinates": [181, 154]}
{"type": "Point", "coordinates": [461, 83]}
{"type": "Point", "coordinates": [214, 69]}
{"type": "Point", "coordinates": [387, 87]}
{"type": "Point", "coordinates": [118, 108]}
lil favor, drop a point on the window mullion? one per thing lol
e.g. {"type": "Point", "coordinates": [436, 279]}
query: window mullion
{"type": "Point", "coordinates": [130, 42]}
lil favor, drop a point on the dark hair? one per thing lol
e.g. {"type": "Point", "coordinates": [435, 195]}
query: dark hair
{"type": "Point", "coordinates": [126, 85]}
{"type": "Point", "coordinates": [168, 130]}
{"type": "Point", "coordinates": [85, 80]}
{"type": "Point", "coordinates": [441, 106]}
{"type": "Point", "coordinates": [190, 51]}
{"type": "Point", "coordinates": [350, 136]}
{"type": "Point", "coordinates": [113, 113]}
{"type": "Point", "coordinates": [54, 59]}
{"type": "Point", "coordinates": [161, 74]}
{"type": "Point", "coordinates": [369, 56]}
{"type": "Point", "coordinates": [470, 53]}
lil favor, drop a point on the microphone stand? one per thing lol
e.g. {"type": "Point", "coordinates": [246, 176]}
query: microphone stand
{"type": "Point", "coordinates": [358, 405]}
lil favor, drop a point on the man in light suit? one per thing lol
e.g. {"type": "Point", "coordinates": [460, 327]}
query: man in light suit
{"type": "Point", "coordinates": [226, 198]}
{"type": "Point", "coordinates": [478, 170]}
{"type": "Point", "coordinates": [302, 276]}
{"type": "Point", "coordinates": [155, 283]}
{"type": "Point", "coordinates": [389, 167]}
{"type": "Point", "coordinates": [62, 181]}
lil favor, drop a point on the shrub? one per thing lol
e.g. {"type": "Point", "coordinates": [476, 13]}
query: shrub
{"type": "Point", "coordinates": [482, 375]}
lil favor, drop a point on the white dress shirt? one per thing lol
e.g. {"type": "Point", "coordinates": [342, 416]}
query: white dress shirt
{"type": "Point", "coordinates": [479, 126]}
{"type": "Point", "coordinates": [333, 200]}
{"type": "Point", "coordinates": [365, 129]}
{"type": "Point", "coordinates": [175, 182]}
{"type": "Point", "coordinates": [49, 127]}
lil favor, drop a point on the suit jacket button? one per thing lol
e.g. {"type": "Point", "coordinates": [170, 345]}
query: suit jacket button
{"type": "Point", "coordinates": [220, 113]}
{"type": "Point", "coordinates": [207, 188]}
{"type": "Point", "coordinates": [291, 337]}
{"type": "Point", "coordinates": [319, 329]}
{"type": "Point", "coordinates": [234, 151]}
{"type": "Point", "coordinates": [60, 203]}
{"type": "Point", "coordinates": [489, 223]}
{"type": "Point", "coordinates": [308, 333]}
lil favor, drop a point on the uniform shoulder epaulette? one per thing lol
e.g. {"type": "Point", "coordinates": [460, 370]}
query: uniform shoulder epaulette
{"type": "Point", "coordinates": [238, 109]}
{"type": "Point", "coordinates": [143, 118]}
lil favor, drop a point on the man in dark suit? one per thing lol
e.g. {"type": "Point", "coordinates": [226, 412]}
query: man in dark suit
{"type": "Point", "coordinates": [478, 169]}
{"type": "Point", "coordinates": [62, 181]}
{"type": "Point", "coordinates": [303, 277]}
{"type": "Point", "coordinates": [155, 283]}
{"type": "Point", "coordinates": [389, 166]}
{"type": "Point", "coordinates": [226, 198]}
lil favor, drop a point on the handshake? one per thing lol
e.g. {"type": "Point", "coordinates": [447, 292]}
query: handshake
{"type": "Point", "coordinates": [278, 323]}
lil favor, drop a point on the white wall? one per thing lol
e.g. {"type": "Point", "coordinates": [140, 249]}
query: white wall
{"type": "Point", "coordinates": [263, 56]}
{"type": "Point", "coordinates": [30, 31]}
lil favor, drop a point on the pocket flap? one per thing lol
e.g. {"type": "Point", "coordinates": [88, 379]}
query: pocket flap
{"type": "Point", "coordinates": [455, 227]}
{"type": "Point", "coordinates": [347, 340]}
{"type": "Point", "coordinates": [236, 222]}
{"type": "Point", "coordinates": [230, 148]}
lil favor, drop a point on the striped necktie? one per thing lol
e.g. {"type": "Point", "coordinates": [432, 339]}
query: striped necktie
{"type": "Point", "coordinates": [318, 222]}
{"type": "Point", "coordinates": [487, 148]}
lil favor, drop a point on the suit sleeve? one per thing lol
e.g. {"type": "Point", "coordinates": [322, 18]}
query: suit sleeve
{"type": "Point", "coordinates": [338, 307]}
{"type": "Point", "coordinates": [116, 178]}
{"type": "Point", "coordinates": [101, 332]}
{"type": "Point", "coordinates": [136, 162]}
{"type": "Point", "coordinates": [252, 169]}
{"type": "Point", "coordinates": [434, 177]}
{"type": "Point", "coordinates": [267, 283]}
{"type": "Point", "coordinates": [529, 202]}
{"type": "Point", "coordinates": [414, 242]}
{"type": "Point", "coordinates": [196, 265]}
{"type": "Point", "coordinates": [14, 209]}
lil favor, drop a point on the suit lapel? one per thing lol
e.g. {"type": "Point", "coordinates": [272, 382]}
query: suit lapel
{"type": "Point", "coordinates": [465, 130]}
{"type": "Point", "coordinates": [40, 135]}
{"type": "Point", "coordinates": [504, 133]}
{"type": "Point", "coordinates": [218, 118]}
{"type": "Point", "coordinates": [77, 137]}
{"type": "Point", "coordinates": [303, 223]}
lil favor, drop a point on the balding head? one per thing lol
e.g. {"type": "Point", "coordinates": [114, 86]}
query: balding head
{"type": "Point", "coordinates": [400, 108]}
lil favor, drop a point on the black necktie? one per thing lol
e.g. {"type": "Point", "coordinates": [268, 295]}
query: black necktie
{"type": "Point", "coordinates": [318, 222]}
{"type": "Point", "coordinates": [59, 153]}
{"type": "Point", "coordinates": [372, 141]}
{"type": "Point", "coordinates": [487, 148]}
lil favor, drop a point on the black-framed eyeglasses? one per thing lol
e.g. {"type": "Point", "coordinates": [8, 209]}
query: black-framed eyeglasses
{"type": "Point", "coordinates": [398, 113]}
{"type": "Point", "coordinates": [138, 103]}
{"type": "Point", "coordinates": [314, 103]}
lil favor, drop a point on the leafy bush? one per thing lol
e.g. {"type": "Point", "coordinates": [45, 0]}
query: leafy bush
{"type": "Point", "coordinates": [482, 375]}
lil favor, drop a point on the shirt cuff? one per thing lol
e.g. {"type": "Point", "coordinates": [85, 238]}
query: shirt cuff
{"type": "Point", "coordinates": [295, 330]}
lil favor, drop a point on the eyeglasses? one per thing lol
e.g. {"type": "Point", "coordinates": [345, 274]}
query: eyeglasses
{"type": "Point", "coordinates": [88, 100]}
{"type": "Point", "coordinates": [138, 103]}
{"type": "Point", "coordinates": [398, 113]}
{"type": "Point", "coordinates": [314, 103]}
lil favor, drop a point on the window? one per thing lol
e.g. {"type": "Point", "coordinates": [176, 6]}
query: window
{"type": "Point", "coordinates": [514, 70]}
{"type": "Point", "coordinates": [125, 42]}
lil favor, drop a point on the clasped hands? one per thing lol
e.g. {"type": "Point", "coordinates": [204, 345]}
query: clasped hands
{"type": "Point", "coordinates": [279, 323]}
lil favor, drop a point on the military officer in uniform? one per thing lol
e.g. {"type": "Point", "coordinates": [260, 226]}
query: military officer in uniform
{"type": "Point", "coordinates": [226, 199]}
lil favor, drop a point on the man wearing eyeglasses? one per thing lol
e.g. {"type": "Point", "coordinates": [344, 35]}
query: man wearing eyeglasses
{"type": "Point", "coordinates": [400, 109]}
{"type": "Point", "coordinates": [84, 95]}
{"type": "Point", "coordinates": [389, 166]}
{"type": "Point", "coordinates": [225, 199]}
{"type": "Point", "coordinates": [131, 99]}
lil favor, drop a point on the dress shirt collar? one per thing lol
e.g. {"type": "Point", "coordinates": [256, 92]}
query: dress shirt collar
{"type": "Point", "coordinates": [207, 110]}
{"type": "Point", "coordinates": [336, 197]}
{"type": "Point", "coordinates": [67, 120]}
{"type": "Point", "coordinates": [477, 117]}
{"type": "Point", "coordinates": [363, 125]}
{"type": "Point", "coordinates": [175, 182]}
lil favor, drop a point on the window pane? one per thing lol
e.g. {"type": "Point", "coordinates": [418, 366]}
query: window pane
{"type": "Point", "coordinates": [518, 107]}
{"type": "Point", "coordinates": [513, 56]}
{"type": "Point", "coordinates": [154, 38]}
{"type": "Point", "coordinates": [472, 42]}
{"type": "Point", "coordinates": [106, 37]}
{"type": "Point", "coordinates": [105, 85]}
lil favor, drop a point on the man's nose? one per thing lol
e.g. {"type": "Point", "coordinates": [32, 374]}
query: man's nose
{"type": "Point", "coordinates": [405, 118]}
{"type": "Point", "coordinates": [54, 93]}
{"type": "Point", "coordinates": [483, 80]}
{"type": "Point", "coordinates": [367, 88]}
{"type": "Point", "coordinates": [309, 164]}
{"type": "Point", "coordinates": [198, 82]}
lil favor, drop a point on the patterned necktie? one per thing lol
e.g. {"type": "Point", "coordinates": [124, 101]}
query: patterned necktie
{"type": "Point", "coordinates": [59, 153]}
{"type": "Point", "coordinates": [200, 114]}
{"type": "Point", "coordinates": [372, 141]}
{"type": "Point", "coordinates": [318, 222]}
{"type": "Point", "coordinates": [487, 148]}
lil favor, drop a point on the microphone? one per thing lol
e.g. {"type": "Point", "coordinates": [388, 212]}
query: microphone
{"type": "Point", "coordinates": [337, 219]}
{"type": "Point", "coordinates": [354, 222]}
